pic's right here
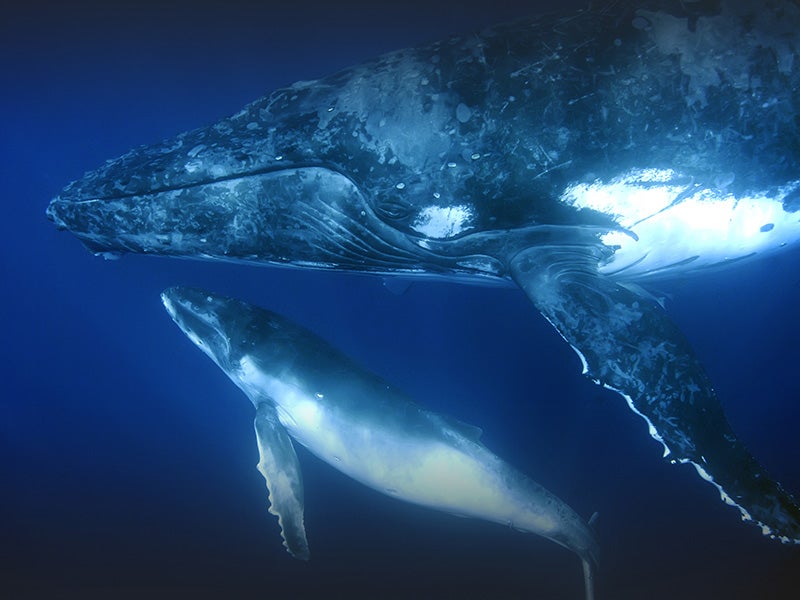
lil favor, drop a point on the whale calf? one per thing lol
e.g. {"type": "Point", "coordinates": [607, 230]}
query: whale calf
{"type": "Point", "coordinates": [579, 156]}
{"type": "Point", "coordinates": [304, 389]}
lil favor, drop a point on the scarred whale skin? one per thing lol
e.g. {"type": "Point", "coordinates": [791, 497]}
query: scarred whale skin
{"type": "Point", "coordinates": [305, 390]}
{"type": "Point", "coordinates": [576, 155]}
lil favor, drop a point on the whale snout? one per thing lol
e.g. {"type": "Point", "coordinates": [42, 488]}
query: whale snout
{"type": "Point", "coordinates": [201, 316]}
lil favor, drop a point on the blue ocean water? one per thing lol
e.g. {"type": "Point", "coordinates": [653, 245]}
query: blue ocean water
{"type": "Point", "coordinates": [128, 459]}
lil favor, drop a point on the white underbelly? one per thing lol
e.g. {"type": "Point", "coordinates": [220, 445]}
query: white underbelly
{"type": "Point", "coordinates": [438, 470]}
{"type": "Point", "coordinates": [429, 472]}
{"type": "Point", "coordinates": [671, 225]}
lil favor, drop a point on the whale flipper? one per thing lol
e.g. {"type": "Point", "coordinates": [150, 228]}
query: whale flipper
{"type": "Point", "coordinates": [279, 465]}
{"type": "Point", "coordinates": [628, 344]}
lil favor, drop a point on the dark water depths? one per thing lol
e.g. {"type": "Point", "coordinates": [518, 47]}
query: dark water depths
{"type": "Point", "coordinates": [128, 459]}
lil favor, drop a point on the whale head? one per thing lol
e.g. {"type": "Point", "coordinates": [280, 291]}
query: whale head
{"type": "Point", "coordinates": [211, 322]}
{"type": "Point", "coordinates": [240, 337]}
{"type": "Point", "coordinates": [636, 131]}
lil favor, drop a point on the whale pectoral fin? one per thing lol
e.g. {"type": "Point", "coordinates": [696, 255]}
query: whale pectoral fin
{"type": "Point", "coordinates": [628, 344]}
{"type": "Point", "coordinates": [279, 465]}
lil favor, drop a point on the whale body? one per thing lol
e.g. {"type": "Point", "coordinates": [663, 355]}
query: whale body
{"type": "Point", "coordinates": [306, 390]}
{"type": "Point", "coordinates": [578, 156]}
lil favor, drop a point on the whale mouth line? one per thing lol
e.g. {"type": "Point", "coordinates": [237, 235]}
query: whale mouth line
{"type": "Point", "coordinates": [236, 175]}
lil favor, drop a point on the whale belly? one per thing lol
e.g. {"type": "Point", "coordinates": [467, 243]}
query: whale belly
{"type": "Point", "coordinates": [427, 471]}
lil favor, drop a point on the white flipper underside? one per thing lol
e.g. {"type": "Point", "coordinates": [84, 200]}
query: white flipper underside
{"type": "Point", "coordinates": [279, 465]}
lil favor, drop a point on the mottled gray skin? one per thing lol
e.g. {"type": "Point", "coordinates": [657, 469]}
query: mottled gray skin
{"type": "Point", "coordinates": [304, 388]}
{"type": "Point", "coordinates": [349, 172]}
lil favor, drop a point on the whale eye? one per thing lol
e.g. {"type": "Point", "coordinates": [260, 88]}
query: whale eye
{"type": "Point", "coordinates": [641, 23]}
{"type": "Point", "coordinates": [393, 209]}
{"type": "Point", "coordinates": [768, 227]}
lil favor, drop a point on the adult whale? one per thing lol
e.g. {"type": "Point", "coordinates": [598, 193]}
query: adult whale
{"type": "Point", "coordinates": [306, 390]}
{"type": "Point", "coordinates": [575, 155]}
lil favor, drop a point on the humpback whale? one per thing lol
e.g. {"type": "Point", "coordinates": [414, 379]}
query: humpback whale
{"type": "Point", "coordinates": [305, 389]}
{"type": "Point", "coordinates": [579, 156]}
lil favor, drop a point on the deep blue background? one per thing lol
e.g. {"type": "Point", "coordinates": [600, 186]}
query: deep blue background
{"type": "Point", "coordinates": [128, 459]}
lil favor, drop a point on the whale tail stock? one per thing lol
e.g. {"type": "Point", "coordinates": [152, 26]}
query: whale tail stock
{"type": "Point", "coordinates": [590, 564]}
{"type": "Point", "coordinates": [588, 579]}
